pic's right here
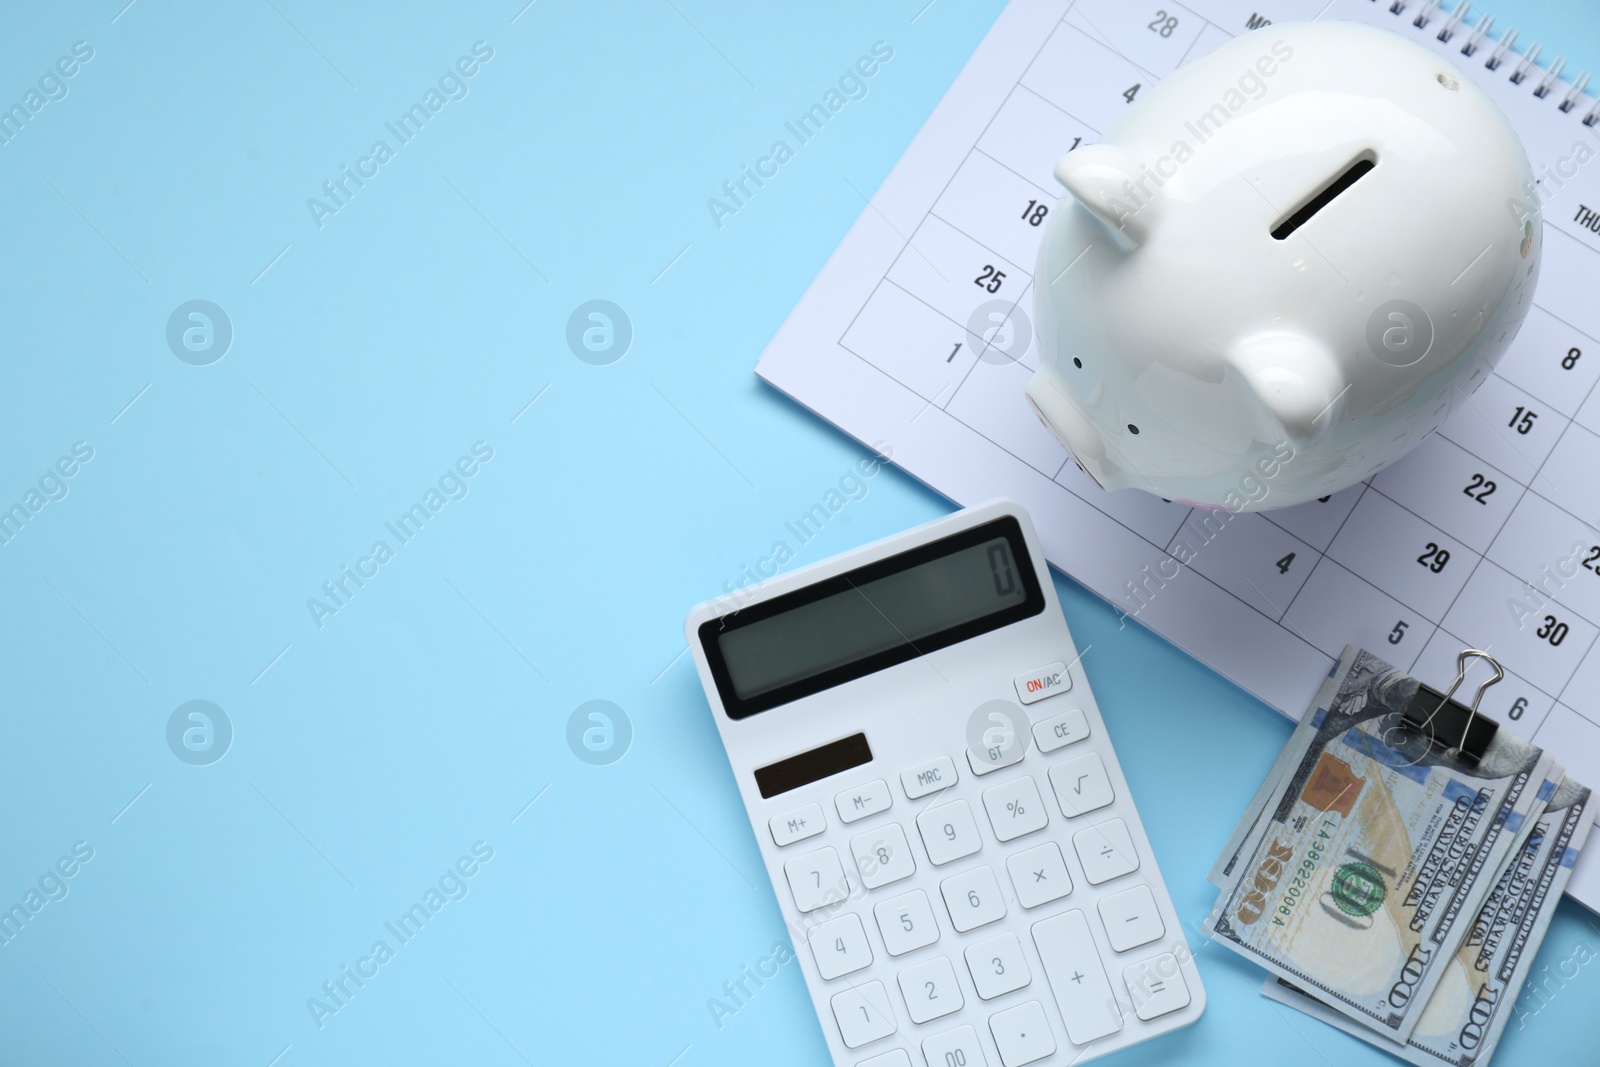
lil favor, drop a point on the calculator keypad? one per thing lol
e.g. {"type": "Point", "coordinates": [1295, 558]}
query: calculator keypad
{"type": "Point", "coordinates": [1019, 927]}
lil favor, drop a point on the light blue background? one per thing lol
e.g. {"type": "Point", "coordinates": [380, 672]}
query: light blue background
{"type": "Point", "coordinates": [432, 708]}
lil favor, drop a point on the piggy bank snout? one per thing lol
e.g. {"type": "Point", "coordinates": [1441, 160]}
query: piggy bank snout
{"type": "Point", "coordinates": [1069, 424]}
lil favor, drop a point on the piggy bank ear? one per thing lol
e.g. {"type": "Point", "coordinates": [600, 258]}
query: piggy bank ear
{"type": "Point", "coordinates": [1297, 384]}
{"type": "Point", "coordinates": [1103, 178]}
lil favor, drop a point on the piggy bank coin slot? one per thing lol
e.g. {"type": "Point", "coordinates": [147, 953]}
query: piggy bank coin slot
{"type": "Point", "coordinates": [1344, 180]}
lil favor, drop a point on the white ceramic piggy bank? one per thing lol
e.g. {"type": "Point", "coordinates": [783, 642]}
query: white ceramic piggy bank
{"type": "Point", "coordinates": [1281, 268]}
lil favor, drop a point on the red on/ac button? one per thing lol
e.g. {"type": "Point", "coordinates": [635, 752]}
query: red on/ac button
{"type": "Point", "coordinates": [1044, 682]}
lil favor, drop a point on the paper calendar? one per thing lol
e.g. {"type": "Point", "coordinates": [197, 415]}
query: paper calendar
{"type": "Point", "coordinates": [1486, 536]}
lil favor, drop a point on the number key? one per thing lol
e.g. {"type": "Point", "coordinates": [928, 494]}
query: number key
{"type": "Point", "coordinates": [954, 1048]}
{"type": "Point", "coordinates": [998, 966]}
{"type": "Point", "coordinates": [906, 923]}
{"type": "Point", "coordinates": [864, 1014]}
{"type": "Point", "coordinates": [840, 946]}
{"type": "Point", "coordinates": [882, 856]}
{"type": "Point", "coordinates": [930, 990]}
{"type": "Point", "coordinates": [949, 832]}
{"type": "Point", "coordinates": [816, 879]}
{"type": "Point", "coordinates": [973, 898]}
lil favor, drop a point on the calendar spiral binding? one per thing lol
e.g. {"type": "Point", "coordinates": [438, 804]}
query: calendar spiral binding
{"type": "Point", "coordinates": [1478, 39]}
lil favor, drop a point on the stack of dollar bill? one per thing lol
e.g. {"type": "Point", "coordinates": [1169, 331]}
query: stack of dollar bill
{"type": "Point", "coordinates": [1390, 886]}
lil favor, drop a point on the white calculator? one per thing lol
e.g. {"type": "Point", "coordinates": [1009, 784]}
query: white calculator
{"type": "Point", "coordinates": [963, 873]}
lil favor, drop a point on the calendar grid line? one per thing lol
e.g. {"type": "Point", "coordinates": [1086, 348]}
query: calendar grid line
{"type": "Point", "coordinates": [1535, 686]}
{"type": "Point", "coordinates": [924, 303]}
{"type": "Point", "coordinates": [1006, 166]}
{"type": "Point", "coordinates": [1045, 99]}
{"type": "Point", "coordinates": [1560, 696]}
{"type": "Point", "coordinates": [1525, 487]}
{"type": "Point", "coordinates": [1025, 271]}
{"type": "Point", "coordinates": [1563, 605]}
{"type": "Point", "coordinates": [1324, 553]}
{"type": "Point", "coordinates": [1540, 473]}
{"type": "Point", "coordinates": [1022, 271]}
{"type": "Point", "coordinates": [1537, 466]}
{"type": "Point", "coordinates": [1512, 353]}
{"type": "Point", "coordinates": [945, 411]}
{"type": "Point", "coordinates": [1436, 627]}
{"type": "Point", "coordinates": [987, 344]}
{"type": "Point", "coordinates": [1208, 25]}
{"type": "Point", "coordinates": [1561, 703]}
{"type": "Point", "coordinates": [1462, 546]}
{"type": "Point", "coordinates": [1203, 577]}
{"type": "Point", "coordinates": [1445, 533]}
{"type": "Point", "coordinates": [1097, 36]}
{"type": "Point", "coordinates": [1575, 329]}
{"type": "Point", "coordinates": [842, 343]}
{"type": "Point", "coordinates": [1309, 549]}
{"type": "Point", "coordinates": [954, 171]}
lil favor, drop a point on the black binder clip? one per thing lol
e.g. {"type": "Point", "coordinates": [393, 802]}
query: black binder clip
{"type": "Point", "coordinates": [1430, 707]}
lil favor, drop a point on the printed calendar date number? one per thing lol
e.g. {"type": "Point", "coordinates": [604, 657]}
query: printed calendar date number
{"type": "Point", "coordinates": [1518, 706]}
{"type": "Point", "coordinates": [1035, 212]}
{"type": "Point", "coordinates": [1163, 24]}
{"type": "Point", "coordinates": [988, 278]}
{"type": "Point", "coordinates": [1399, 631]}
{"type": "Point", "coordinates": [1553, 630]}
{"type": "Point", "coordinates": [1434, 558]}
{"type": "Point", "coordinates": [1591, 562]}
{"type": "Point", "coordinates": [1522, 419]}
{"type": "Point", "coordinates": [1480, 489]}
{"type": "Point", "coordinates": [1570, 360]}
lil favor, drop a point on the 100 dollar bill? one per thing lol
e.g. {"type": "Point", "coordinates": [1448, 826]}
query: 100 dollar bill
{"type": "Point", "coordinates": [1373, 851]}
{"type": "Point", "coordinates": [1468, 1012]}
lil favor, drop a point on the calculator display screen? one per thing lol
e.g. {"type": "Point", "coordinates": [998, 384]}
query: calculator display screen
{"type": "Point", "coordinates": [881, 614]}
